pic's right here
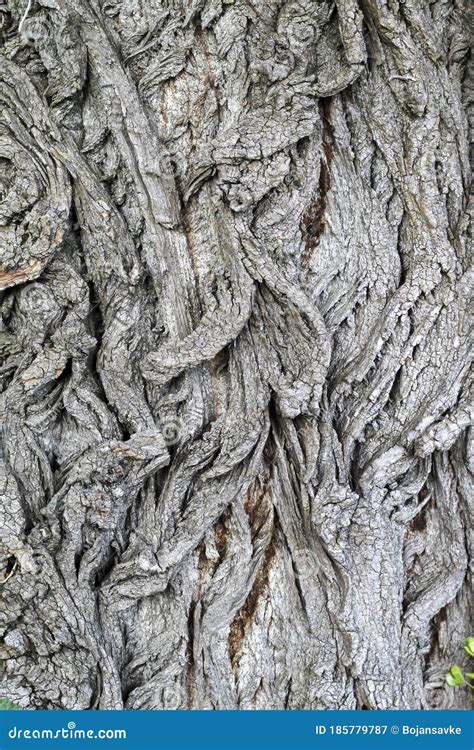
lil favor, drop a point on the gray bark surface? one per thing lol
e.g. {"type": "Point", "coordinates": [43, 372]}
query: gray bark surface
{"type": "Point", "coordinates": [235, 392]}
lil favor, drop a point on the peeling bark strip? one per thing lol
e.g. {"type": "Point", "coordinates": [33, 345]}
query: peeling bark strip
{"type": "Point", "coordinates": [235, 396]}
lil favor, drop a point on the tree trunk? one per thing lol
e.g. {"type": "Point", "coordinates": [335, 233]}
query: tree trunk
{"type": "Point", "coordinates": [235, 377]}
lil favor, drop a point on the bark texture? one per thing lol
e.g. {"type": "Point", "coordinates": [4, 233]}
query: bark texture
{"type": "Point", "coordinates": [235, 404]}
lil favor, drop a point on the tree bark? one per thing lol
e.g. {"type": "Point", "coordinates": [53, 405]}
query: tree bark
{"type": "Point", "coordinates": [235, 402]}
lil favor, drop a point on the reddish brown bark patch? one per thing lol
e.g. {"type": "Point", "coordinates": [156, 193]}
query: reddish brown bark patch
{"type": "Point", "coordinates": [314, 218]}
{"type": "Point", "coordinates": [246, 615]}
{"type": "Point", "coordinates": [20, 275]}
{"type": "Point", "coordinates": [258, 506]}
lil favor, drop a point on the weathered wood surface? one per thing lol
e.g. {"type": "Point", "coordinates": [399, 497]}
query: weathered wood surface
{"type": "Point", "coordinates": [235, 353]}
